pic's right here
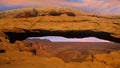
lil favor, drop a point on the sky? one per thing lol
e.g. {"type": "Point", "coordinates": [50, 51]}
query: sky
{"type": "Point", "coordinates": [63, 39]}
{"type": "Point", "coordinates": [111, 7]}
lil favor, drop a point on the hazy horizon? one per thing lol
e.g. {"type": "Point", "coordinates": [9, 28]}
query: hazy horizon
{"type": "Point", "coordinates": [63, 39]}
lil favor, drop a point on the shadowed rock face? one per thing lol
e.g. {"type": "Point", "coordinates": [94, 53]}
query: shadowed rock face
{"type": "Point", "coordinates": [2, 51]}
{"type": "Point", "coordinates": [70, 34]}
{"type": "Point", "coordinates": [57, 21]}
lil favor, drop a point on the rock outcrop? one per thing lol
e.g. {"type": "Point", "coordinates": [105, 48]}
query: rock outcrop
{"type": "Point", "coordinates": [36, 48]}
{"type": "Point", "coordinates": [110, 59]}
{"type": "Point", "coordinates": [22, 23]}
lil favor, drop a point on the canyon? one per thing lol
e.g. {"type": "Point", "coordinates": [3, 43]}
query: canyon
{"type": "Point", "coordinates": [68, 51]}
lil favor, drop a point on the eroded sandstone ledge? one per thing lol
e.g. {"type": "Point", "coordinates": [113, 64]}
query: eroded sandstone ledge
{"type": "Point", "coordinates": [48, 21]}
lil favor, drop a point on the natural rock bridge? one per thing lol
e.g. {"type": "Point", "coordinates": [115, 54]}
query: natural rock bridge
{"type": "Point", "coordinates": [12, 36]}
{"type": "Point", "coordinates": [68, 23]}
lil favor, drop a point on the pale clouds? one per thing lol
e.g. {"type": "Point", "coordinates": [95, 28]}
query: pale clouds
{"type": "Point", "coordinates": [99, 6]}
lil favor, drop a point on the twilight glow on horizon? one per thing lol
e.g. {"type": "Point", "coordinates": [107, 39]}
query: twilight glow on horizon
{"type": "Point", "coordinates": [111, 7]}
{"type": "Point", "coordinates": [63, 39]}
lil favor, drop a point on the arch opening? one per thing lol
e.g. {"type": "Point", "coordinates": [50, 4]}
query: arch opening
{"type": "Point", "coordinates": [76, 51]}
{"type": "Point", "coordinates": [13, 36]}
{"type": "Point", "coordinates": [64, 39]}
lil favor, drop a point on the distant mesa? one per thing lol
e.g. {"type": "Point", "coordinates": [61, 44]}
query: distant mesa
{"type": "Point", "coordinates": [36, 39]}
{"type": "Point", "coordinates": [63, 39]}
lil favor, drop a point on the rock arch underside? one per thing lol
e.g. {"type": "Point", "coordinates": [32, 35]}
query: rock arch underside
{"type": "Point", "coordinates": [23, 23]}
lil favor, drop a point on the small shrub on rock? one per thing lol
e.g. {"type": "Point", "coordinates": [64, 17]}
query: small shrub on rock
{"type": "Point", "coordinates": [54, 13]}
{"type": "Point", "coordinates": [71, 14]}
{"type": "Point", "coordinates": [35, 12]}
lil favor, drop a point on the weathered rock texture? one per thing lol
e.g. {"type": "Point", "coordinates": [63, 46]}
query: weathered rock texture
{"type": "Point", "coordinates": [22, 23]}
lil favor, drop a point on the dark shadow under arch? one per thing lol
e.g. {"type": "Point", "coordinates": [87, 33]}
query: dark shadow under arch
{"type": "Point", "coordinates": [69, 34]}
